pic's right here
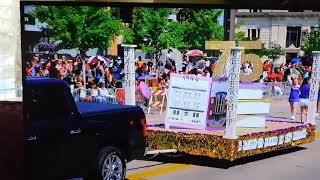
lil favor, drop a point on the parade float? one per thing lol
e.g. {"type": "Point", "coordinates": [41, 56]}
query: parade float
{"type": "Point", "coordinates": [222, 118]}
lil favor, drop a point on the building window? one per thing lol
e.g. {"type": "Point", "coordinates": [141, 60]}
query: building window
{"type": "Point", "coordinates": [253, 34]}
{"type": "Point", "coordinates": [255, 10]}
{"type": "Point", "coordinates": [293, 37]}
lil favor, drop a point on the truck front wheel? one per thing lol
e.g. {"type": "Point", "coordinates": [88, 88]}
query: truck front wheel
{"type": "Point", "coordinates": [111, 164]}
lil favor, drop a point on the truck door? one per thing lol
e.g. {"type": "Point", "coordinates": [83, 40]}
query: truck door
{"type": "Point", "coordinates": [54, 139]}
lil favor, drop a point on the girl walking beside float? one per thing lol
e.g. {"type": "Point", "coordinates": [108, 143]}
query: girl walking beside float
{"type": "Point", "coordinates": [294, 96]}
{"type": "Point", "coordinates": [304, 97]}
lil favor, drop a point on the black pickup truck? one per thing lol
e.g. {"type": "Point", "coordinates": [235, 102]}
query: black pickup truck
{"type": "Point", "coordinates": [67, 139]}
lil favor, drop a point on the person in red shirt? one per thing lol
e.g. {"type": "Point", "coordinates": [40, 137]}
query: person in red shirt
{"type": "Point", "coordinates": [271, 76]}
{"type": "Point", "coordinates": [265, 65]}
{"type": "Point", "coordinates": [278, 75]}
{"type": "Point", "coordinates": [28, 69]}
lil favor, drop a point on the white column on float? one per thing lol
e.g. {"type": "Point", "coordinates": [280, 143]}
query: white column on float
{"type": "Point", "coordinates": [129, 70]}
{"type": "Point", "coordinates": [233, 89]}
{"type": "Point", "coordinates": [314, 88]}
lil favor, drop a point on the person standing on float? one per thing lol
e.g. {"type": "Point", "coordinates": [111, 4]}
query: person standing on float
{"type": "Point", "coordinates": [294, 97]}
{"type": "Point", "coordinates": [304, 97]}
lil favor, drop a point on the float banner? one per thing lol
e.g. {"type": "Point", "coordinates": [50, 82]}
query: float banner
{"type": "Point", "coordinates": [188, 101]}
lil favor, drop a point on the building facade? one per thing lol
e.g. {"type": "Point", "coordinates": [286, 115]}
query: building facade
{"type": "Point", "coordinates": [288, 29]}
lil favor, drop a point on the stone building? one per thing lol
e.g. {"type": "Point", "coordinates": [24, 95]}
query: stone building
{"type": "Point", "coordinates": [282, 27]}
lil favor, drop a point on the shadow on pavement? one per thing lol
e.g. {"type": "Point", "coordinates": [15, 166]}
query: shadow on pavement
{"type": "Point", "coordinates": [142, 167]}
{"type": "Point", "coordinates": [218, 163]}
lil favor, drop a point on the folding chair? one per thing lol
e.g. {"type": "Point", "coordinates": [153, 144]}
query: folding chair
{"type": "Point", "coordinates": [219, 109]}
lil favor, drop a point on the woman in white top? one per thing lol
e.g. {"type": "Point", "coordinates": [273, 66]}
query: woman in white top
{"type": "Point", "coordinates": [94, 93]}
{"type": "Point", "coordinates": [103, 93]}
{"type": "Point", "coordinates": [81, 91]}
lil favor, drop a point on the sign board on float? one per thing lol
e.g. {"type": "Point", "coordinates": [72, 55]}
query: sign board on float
{"type": "Point", "coordinates": [259, 143]}
{"type": "Point", "coordinates": [188, 101]}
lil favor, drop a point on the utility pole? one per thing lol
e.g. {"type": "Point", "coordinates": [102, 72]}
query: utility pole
{"type": "Point", "coordinates": [229, 23]}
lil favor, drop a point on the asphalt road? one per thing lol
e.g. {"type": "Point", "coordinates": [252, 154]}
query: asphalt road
{"type": "Point", "coordinates": [301, 163]}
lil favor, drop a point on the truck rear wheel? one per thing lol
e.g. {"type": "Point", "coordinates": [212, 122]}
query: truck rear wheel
{"type": "Point", "coordinates": [111, 164]}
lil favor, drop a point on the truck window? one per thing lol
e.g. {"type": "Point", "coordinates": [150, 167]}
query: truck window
{"type": "Point", "coordinates": [49, 103]}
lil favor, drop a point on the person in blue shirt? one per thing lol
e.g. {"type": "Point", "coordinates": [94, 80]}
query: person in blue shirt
{"type": "Point", "coordinates": [304, 98]}
{"type": "Point", "coordinates": [294, 97]}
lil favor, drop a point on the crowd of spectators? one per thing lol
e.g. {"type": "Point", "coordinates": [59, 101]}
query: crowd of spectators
{"type": "Point", "coordinates": [104, 75]}
{"type": "Point", "coordinates": [283, 75]}
{"type": "Point", "coordinates": [285, 72]}
{"type": "Point", "coordinates": [101, 78]}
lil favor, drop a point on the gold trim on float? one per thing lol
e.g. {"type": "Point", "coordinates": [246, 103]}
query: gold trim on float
{"type": "Point", "coordinates": [255, 100]}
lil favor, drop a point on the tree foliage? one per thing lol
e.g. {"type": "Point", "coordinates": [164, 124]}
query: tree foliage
{"type": "Point", "coordinates": [153, 31]}
{"type": "Point", "coordinates": [312, 42]}
{"type": "Point", "coordinates": [240, 36]}
{"type": "Point", "coordinates": [200, 25]}
{"type": "Point", "coordinates": [81, 27]}
{"type": "Point", "coordinates": [274, 52]}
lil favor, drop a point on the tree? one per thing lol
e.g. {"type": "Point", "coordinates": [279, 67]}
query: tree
{"type": "Point", "coordinates": [200, 25]}
{"type": "Point", "coordinates": [274, 52]}
{"type": "Point", "coordinates": [154, 32]}
{"type": "Point", "coordinates": [81, 27]}
{"type": "Point", "coordinates": [240, 35]}
{"type": "Point", "coordinates": [312, 42]}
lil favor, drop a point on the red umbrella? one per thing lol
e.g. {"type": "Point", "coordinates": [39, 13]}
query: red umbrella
{"type": "Point", "coordinates": [194, 52]}
{"type": "Point", "coordinates": [95, 59]}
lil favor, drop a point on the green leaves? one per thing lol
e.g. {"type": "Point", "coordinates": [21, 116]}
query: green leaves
{"type": "Point", "coordinates": [200, 25]}
{"type": "Point", "coordinates": [312, 42]}
{"type": "Point", "coordinates": [274, 52]}
{"type": "Point", "coordinates": [87, 27]}
{"type": "Point", "coordinates": [80, 27]}
{"type": "Point", "coordinates": [153, 31]}
{"type": "Point", "coordinates": [150, 27]}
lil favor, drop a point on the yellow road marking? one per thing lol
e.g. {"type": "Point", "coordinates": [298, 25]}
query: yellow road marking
{"type": "Point", "coordinates": [317, 135]}
{"type": "Point", "coordinates": [157, 171]}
